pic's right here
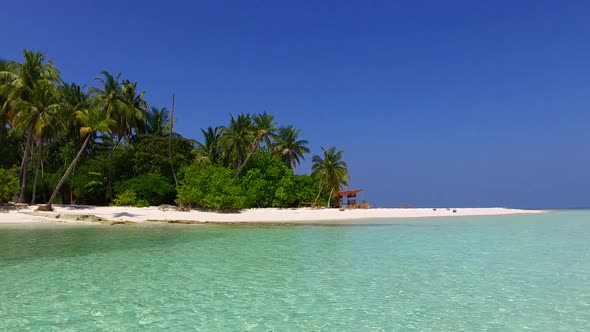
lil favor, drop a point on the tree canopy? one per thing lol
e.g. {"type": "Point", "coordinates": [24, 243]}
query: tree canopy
{"type": "Point", "coordinates": [106, 144]}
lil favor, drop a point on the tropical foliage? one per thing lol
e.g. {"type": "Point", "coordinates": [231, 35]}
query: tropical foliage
{"type": "Point", "coordinates": [64, 143]}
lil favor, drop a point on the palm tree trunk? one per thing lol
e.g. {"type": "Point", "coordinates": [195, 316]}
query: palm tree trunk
{"type": "Point", "coordinates": [170, 143]}
{"type": "Point", "coordinates": [65, 176]}
{"type": "Point", "coordinates": [330, 197]}
{"type": "Point", "coordinates": [38, 165]}
{"type": "Point", "coordinates": [24, 164]}
{"type": "Point", "coordinates": [315, 202]}
{"type": "Point", "coordinates": [252, 150]}
{"type": "Point", "coordinates": [110, 180]}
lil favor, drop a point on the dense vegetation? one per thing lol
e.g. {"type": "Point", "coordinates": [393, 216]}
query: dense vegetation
{"type": "Point", "coordinates": [61, 142]}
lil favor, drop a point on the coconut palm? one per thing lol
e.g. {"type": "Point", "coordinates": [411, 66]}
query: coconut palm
{"type": "Point", "coordinates": [23, 83]}
{"type": "Point", "coordinates": [92, 121]}
{"type": "Point", "coordinates": [131, 117]}
{"type": "Point", "coordinates": [74, 98]}
{"type": "Point", "coordinates": [108, 97]}
{"type": "Point", "coordinates": [236, 139]}
{"type": "Point", "coordinates": [264, 128]}
{"type": "Point", "coordinates": [331, 171]}
{"type": "Point", "coordinates": [39, 113]}
{"type": "Point", "coordinates": [7, 70]}
{"type": "Point", "coordinates": [122, 103]}
{"type": "Point", "coordinates": [288, 147]}
{"type": "Point", "coordinates": [209, 149]}
{"type": "Point", "coordinates": [157, 121]}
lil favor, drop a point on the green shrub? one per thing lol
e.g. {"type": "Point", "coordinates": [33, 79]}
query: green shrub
{"type": "Point", "coordinates": [126, 198]}
{"type": "Point", "coordinates": [265, 177]}
{"type": "Point", "coordinates": [210, 187]}
{"type": "Point", "coordinates": [154, 189]}
{"type": "Point", "coordinates": [141, 203]}
{"type": "Point", "coordinates": [8, 184]}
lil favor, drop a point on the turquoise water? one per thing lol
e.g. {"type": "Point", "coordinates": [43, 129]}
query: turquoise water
{"type": "Point", "coordinates": [509, 273]}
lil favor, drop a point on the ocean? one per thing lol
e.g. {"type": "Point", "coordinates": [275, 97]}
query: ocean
{"type": "Point", "coordinates": [494, 273]}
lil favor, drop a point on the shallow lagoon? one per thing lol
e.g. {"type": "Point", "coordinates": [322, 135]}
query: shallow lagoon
{"type": "Point", "coordinates": [469, 273]}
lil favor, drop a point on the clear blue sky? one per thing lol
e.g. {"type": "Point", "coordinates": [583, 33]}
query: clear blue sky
{"type": "Point", "coordinates": [435, 103]}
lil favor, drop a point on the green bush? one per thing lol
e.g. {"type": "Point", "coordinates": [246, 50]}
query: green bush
{"type": "Point", "coordinates": [210, 187]}
{"type": "Point", "coordinates": [8, 184]}
{"type": "Point", "coordinates": [154, 189]}
{"type": "Point", "coordinates": [129, 198]}
{"type": "Point", "coordinates": [265, 177]}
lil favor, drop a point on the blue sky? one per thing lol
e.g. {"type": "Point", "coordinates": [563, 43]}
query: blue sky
{"type": "Point", "coordinates": [435, 103]}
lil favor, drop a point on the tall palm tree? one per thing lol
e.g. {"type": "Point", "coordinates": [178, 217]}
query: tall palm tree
{"type": "Point", "coordinates": [288, 147]}
{"type": "Point", "coordinates": [40, 112]}
{"type": "Point", "coordinates": [74, 98]}
{"type": "Point", "coordinates": [236, 139]}
{"type": "Point", "coordinates": [264, 128]}
{"type": "Point", "coordinates": [122, 103]}
{"type": "Point", "coordinates": [209, 149]}
{"type": "Point", "coordinates": [26, 82]}
{"type": "Point", "coordinates": [5, 88]}
{"type": "Point", "coordinates": [92, 121]}
{"type": "Point", "coordinates": [108, 97]}
{"type": "Point", "coordinates": [157, 121]}
{"type": "Point", "coordinates": [131, 117]}
{"type": "Point", "coordinates": [331, 170]}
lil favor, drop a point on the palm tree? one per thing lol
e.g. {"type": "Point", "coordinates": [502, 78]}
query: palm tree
{"type": "Point", "coordinates": [92, 121]}
{"type": "Point", "coordinates": [109, 96]}
{"type": "Point", "coordinates": [209, 149]}
{"type": "Point", "coordinates": [236, 139]}
{"type": "Point", "coordinates": [122, 103]}
{"type": "Point", "coordinates": [26, 82]}
{"type": "Point", "coordinates": [157, 121]}
{"type": "Point", "coordinates": [74, 98]}
{"type": "Point", "coordinates": [288, 147]}
{"type": "Point", "coordinates": [7, 70]}
{"type": "Point", "coordinates": [331, 171]}
{"type": "Point", "coordinates": [264, 128]}
{"type": "Point", "coordinates": [131, 117]}
{"type": "Point", "coordinates": [40, 112]}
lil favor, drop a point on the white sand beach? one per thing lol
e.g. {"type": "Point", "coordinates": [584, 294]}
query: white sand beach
{"type": "Point", "coordinates": [77, 213]}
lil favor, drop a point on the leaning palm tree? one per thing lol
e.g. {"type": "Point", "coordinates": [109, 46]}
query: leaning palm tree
{"type": "Point", "coordinates": [108, 98]}
{"type": "Point", "coordinates": [92, 121]}
{"type": "Point", "coordinates": [288, 147]}
{"type": "Point", "coordinates": [331, 171]}
{"type": "Point", "coordinates": [236, 139]}
{"type": "Point", "coordinates": [264, 128]}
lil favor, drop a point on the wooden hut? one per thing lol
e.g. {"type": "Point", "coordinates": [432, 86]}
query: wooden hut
{"type": "Point", "coordinates": [350, 195]}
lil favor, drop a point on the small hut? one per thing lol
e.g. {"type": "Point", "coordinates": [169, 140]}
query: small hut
{"type": "Point", "coordinates": [350, 197]}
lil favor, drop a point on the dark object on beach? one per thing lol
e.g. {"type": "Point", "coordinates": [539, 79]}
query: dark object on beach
{"type": "Point", "coordinates": [454, 211]}
{"type": "Point", "coordinates": [433, 209]}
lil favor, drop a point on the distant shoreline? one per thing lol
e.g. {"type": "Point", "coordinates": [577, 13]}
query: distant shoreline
{"type": "Point", "coordinates": [80, 214]}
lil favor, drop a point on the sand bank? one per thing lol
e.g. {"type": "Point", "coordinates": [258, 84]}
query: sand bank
{"type": "Point", "coordinates": [77, 213]}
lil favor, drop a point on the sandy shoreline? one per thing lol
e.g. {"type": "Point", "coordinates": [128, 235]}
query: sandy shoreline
{"type": "Point", "coordinates": [110, 214]}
